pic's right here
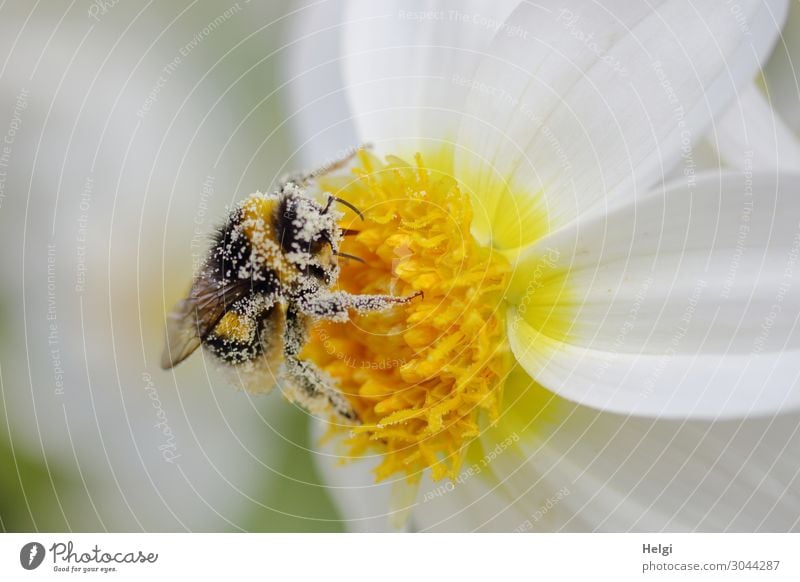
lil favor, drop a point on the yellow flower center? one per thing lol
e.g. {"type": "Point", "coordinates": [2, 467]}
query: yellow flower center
{"type": "Point", "coordinates": [419, 375]}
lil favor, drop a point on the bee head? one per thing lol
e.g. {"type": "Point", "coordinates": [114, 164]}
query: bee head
{"type": "Point", "coordinates": [309, 235]}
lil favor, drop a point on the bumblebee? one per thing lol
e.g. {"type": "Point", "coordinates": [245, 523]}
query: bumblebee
{"type": "Point", "coordinates": [268, 276]}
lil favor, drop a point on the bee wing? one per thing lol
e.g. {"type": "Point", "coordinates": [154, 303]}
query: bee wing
{"type": "Point", "coordinates": [183, 335]}
{"type": "Point", "coordinates": [195, 316]}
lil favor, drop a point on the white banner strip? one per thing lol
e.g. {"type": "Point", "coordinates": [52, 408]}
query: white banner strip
{"type": "Point", "coordinates": [389, 557]}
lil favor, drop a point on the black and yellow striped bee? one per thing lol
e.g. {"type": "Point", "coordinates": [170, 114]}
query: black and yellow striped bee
{"type": "Point", "coordinates": [268, 276]}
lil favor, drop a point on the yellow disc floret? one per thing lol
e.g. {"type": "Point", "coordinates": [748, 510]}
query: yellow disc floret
{"type": "Point", "coordinates": [419, 375]}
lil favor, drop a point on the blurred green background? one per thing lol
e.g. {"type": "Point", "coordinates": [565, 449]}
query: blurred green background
{"type": "Point", "coordinates": [132, 127]}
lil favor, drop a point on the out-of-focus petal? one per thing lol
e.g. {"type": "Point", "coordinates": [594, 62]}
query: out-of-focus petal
{"type": "Point", "coordinates": [408, 66]}
{"type": "Point", "coordinates": [596, 471]}
{"type": "Point", "coordinates": [318, 113]}
{"type": "Point", "coordinates": [597, 102]}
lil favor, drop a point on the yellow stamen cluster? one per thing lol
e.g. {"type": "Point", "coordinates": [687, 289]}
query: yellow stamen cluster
{"type": "Point", "coordinates": [419, 375]}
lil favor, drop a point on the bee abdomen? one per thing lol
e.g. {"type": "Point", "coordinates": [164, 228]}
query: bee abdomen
{"type": "Point", "coordinates": [235, 339]}
{"type": "Point", "coordinates": [247, 333]}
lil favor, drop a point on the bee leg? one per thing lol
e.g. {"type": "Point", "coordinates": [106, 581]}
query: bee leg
{"type": "Point", "coordinates": [334, 305]}
{"type": "Point", "coordinates": [303, 178]}
{"type": "Point", "coordinates": [308, 385]}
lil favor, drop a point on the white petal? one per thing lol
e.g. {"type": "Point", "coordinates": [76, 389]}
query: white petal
{"type": "Point", "coordinates": [404, 63]}
{"type": "Point", "coordinates": [684, 303]}
{"type": "Point", "coordinates": [672, 385]}
{"type": "Point", "coordinates": [752, 135]}
{"type": "Point", "coordinates": [596, 471]}
{"type": "Point", "coordinates": [596, 101]}
{"type": "Point", "coordinates": [318, 113]}
{"type": "Point", "coordinates": [366, 506]}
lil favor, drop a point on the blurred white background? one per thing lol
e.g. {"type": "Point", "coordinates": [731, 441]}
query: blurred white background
{"type": "Point", "coordinates": [127, 129]}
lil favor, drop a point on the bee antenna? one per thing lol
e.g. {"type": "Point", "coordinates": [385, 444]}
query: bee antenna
{"type": "Point", "coordinates": [351, 257]}
{"type": "Point", "coordinates": [346, 203]}
{"type": "Point", "coordinates": [349, 232]}
{"type": "Point", "coordinates": [328, 205]}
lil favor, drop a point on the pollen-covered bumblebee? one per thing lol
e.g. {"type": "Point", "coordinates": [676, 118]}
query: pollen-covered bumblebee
{"type": "Point", "coordinates": [268, 276]}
